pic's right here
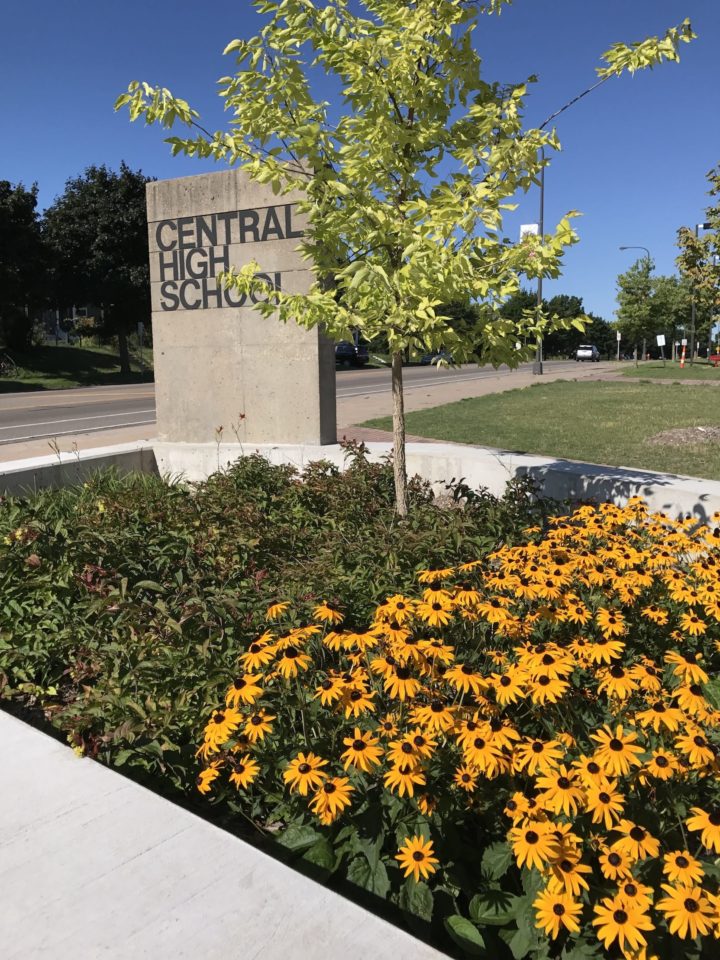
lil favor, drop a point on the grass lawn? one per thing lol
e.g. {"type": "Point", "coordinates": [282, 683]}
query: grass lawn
{"type": "Point", "coordinates": [700, 370]}
{"type": "Point", "coordinates": [54, 368]}
{"type": "Point", "coordinates": [602, 422]}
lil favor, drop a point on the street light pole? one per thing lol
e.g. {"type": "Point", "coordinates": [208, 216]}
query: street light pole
{"type": "Point", "coordinates": [698, 228]}
{"type": "Point", "coordinates": [649, 260]}
{"type": "Point", "coordinates": [538, 363]}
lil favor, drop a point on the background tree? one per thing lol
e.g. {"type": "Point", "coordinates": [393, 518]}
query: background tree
{"type": "Point", "coordinates": [564, 342]}
{"type": "Point", "coordinates": [406, 171]}
{"type": "Point", "coordinates": [21, 263]}
{"type": "Point", "coordinates": [699, 263]}
{"type": "Point", "coordinates": [97, 236]}
{"type": "Point", "coordinates": [635, 319]}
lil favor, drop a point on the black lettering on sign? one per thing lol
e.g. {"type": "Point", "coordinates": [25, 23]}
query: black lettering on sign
{"type": "Point", "coordinates": [170, 227]}
{"type": "Point", "coordinates": [193, 251]}
{"type": "Point", "coordinates": [249, 220]}
{"type": "Point", "coordinates": [290, 234]}
{"type": "Point", "coordinates": [189, 304]}
{"type": "Point", "coordinates": [272, 225]}
{"type": "Point", "coordinates": [169, 298]}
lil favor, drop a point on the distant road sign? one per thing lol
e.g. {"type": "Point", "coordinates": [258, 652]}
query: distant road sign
{"type": "Point", "coordinates": [661, 339]}
{"type": "Point", "coordinates": [529, 229]}
{"type": "Point", "coordinates": [618, 335]}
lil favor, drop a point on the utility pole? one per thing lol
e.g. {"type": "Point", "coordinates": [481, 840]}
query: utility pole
{"type": "Point", "coordinates": [698, 228]}
{"type": "Point", "coordinates": [538, 364]}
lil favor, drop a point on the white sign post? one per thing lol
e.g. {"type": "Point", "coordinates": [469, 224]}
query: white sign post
{"type": "Point", "coordinates": [529, 230]}
{"type": "Point", "coordinates": [661, 343]}
{"type": "Point", "coordinates": [618, 335]}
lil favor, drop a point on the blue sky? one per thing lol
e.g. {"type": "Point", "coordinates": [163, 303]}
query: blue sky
{"type": "Point", "coordinates": [635, 152]}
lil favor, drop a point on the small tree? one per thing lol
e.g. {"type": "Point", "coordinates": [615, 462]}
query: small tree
{"type": "Point", "coordinates": [97, 235]}
{"type": "Point", "coordinates": [635, 318]}
{"type": "Point", "coordinates": [21, 262]}
{"type": "Point", "coordinates": [406, 173]}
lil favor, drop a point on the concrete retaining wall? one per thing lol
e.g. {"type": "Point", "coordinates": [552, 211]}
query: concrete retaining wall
{"type": "Point", "coordinates": [440, 463]}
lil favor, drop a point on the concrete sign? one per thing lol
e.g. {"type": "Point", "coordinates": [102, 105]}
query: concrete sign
{"type": "Point", "coordinates": [218, 363]}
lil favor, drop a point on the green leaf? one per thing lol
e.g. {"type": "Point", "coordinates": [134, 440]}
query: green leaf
{"type": "Point", "coordinates": [581, 950]}
{"type": "Point", "coordinates": [375, 880]}
{"type": "Point", "coordinates": [466, 935]}
{"type": "Point", "coordinates": [417, 899]}
{"type": "Point", "coordinates": [493, 907]}
{"type": "Point", "coordinates": [321, 854]}
{"type": "Point", "coordinates": [121, 757]}
{"type": "Point", "coordinates": [520, 941]}
{"type": "Point", "coordinates": [150, 585]}
{"type": "Point", "coordinates": [496, 860]}
{"type": "Point", "coordinates": [299, 836]}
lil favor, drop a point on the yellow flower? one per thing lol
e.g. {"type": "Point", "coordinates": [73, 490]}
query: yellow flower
{"type": "Point", "coordinates": [244, 689]}
{"type": "Point", "coordinates": [687, 910]}
{"type": "Point", "coordinates": [328, 612]}
{"type": "Point", "coordinates": [304, 773]}
{"type": "Point", "coordinates": [708, 825]}
{"type": "Point", "coordinates": [362, 751]}
{"type": "Point", "coordinates": [534, 844]}
{"type": "Point", "coordinates": [244, 771]}
{"type": "Point", "coordinates": [332, 797]}
{"type": "Point", "coordinates": [205, 778]}
{"type": "Point", "coordinates": [416, 858]}
{"type": "Point", "coordinates": [277, 609]}
{"type": "Point", "coordinates": [617, 919]}
{"type": "Point", "coordinates": [555, 909]}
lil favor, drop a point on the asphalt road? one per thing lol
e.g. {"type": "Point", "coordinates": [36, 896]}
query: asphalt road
{"type": "Point", "coordinates": [32, 416]}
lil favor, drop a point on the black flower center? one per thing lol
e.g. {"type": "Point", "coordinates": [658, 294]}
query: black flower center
{"type": "Point", "coordinates": [616, 745]}
{"type": "Point", "coordinates": [326, 684]}
{"type": "Point", "coordinates": [437, 706]}
{"type": "Point", "coordinates": [659, 707]}
{"type": "Point", "coordinates": [304, 768]}
{"type": "Point", "coordinates": [714, 819]}
{"type": "Point", "coordinates": [614, 859]}
{"type": "Point", "coordinates": [255, 648]}
{"type": "Point", "coordinates": [604, 797]}
{"type": "Point", "coordinates": [437, 606]}
{"type": "Point", "coordinates": [329, 787]}
{"type": "Point", "coordinates": [402, 673]}
{"type": "Point", "coordinates": [219, 717]}
{"type": "Point", "coordinates": [682, 862]}
{"type": "Point", "coordinates": [291, 652]}
{"type": "Point", "coordinates": [661, 761]}
{"type": "Point", "coordinates": [637, 834]}
{"type": "Point", "coordinates": [256, 720]}
{"type": "Point", "coordinates": [240, 768]}
{"type": "Point", "coordinates": [531, 837]}
{"type": "Point", "coordinates": [617, 672]}
{"type": "Point", "coordinates": [418, 856]}
{"type": "Point", "coordinates": [359, 745]}
{"type": "Point", "coordinates": [567, 866]}
{"type": "Point", "coordinates": [355, 696]}
{"type": "Point", "coordinates": [467, 669]}
{"type": "Point", "coordinates": [620, 917]}
{"type": "Point", "coordinates": [479, 743]}
{"type": "Point", "coordinates": [239, 683]}
{"type": "Point", "coordinates": [593, 767]}
{"type": "Point", "coordinates": [700, 741]}
{"type": "Point", "coordinates": [563, 783]}
{"type": "Point", "coordinates": [631, 890]}
{"type": "Point", "coordinates": [695, 690]}
{"type": "Point", "coordinates": [505, 681]}
{"type": "Point", "coordinates": [538, 747]}
{"type": "Point", "coordinates": [419, 741]}
{"type": "Point", "coordinates": [691, 905]}
{"type": "Point", "coordinates": [465, 778]}
{"type": "Point", "coordinates": [406, 747]}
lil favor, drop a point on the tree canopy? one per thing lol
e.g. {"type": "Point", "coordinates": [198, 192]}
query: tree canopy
{"type": "Point", "coordinates": [21, 262]}
{"type": "Point", "coordinates": [406, 174]}
{"type": "Point", "coordinates": [97, 236]}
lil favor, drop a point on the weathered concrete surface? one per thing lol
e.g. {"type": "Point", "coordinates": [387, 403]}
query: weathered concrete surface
{"type": "Point", "coordinates": [222, 369]}
{"type": "Point", "coordinates": [93, 865]}
{"type": "Point", "coordinates": [440, 463]}
{"type": "Point", "coordinates": [64, 469]}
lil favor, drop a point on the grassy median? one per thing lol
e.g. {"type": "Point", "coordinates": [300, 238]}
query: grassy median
{"type": "Point", "coordinates": [648, 425]}
{"type": "Point", "coordinates": [656, 370]}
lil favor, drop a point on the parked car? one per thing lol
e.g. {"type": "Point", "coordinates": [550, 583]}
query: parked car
{"type": "Point", "coordinates": [587, 352]}
{"type": "Point", "coordinates": [347, 354]}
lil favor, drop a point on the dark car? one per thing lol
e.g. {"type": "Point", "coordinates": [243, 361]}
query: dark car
{"type": "Point", "coordinates": [347, 354]}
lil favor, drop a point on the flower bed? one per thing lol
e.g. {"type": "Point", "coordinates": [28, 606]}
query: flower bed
{"type": "Point", "coordinates": [524, 748]}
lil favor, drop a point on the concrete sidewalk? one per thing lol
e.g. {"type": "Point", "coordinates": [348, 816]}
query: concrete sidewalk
{"type": "Point", "coordinates": [93, 865]}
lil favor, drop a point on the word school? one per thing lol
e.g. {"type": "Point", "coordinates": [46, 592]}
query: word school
{"type": "Point", "coordinates": [192, 251]}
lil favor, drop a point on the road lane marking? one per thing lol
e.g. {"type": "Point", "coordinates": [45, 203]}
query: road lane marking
{"type": "Point", "coordinates": [76, 433]}
{"type": "Point", "coordinates": [98, 416]}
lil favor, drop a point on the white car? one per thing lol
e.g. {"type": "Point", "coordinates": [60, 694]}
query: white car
{"type": "Point", "coordinates": [587, 352]}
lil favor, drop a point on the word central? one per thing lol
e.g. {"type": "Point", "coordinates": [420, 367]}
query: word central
{"type": "Point", "coordinates": [226, 229]}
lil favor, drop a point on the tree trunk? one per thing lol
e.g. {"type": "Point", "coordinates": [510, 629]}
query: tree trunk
{"type": "Point", "coordinates": [401, 504]}
{"type": "Point", "coordinates": [123, 351]}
